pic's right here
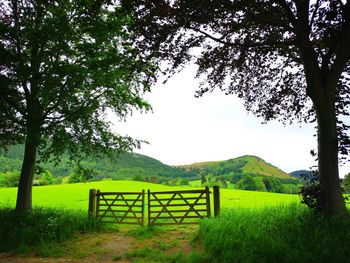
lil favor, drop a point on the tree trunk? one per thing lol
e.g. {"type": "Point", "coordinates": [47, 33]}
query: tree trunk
{"type": "Point", "coordinates": [332, 199]}
{"type": "Point", "coordinates": [24, 192]}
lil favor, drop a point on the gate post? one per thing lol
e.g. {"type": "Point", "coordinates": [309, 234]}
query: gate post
{"type": "Point", "coordinates": [207, 195]}
{"type": "Point", "coordinates": [97, 207]}
{"type": "Point", "coordinates": [92, 203]}
{"type": "Point", "coordinates": [143, 208]}
{"type": "Point", "coordinates": [149, 207]}
{"type": "Point", "coordinates": [216, 200]}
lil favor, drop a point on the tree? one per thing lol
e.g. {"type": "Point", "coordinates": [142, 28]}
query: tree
{"type": "Point", "coordinates": [346, 183]}
{"type": "Point", "coordinates": [247, 183]}
{"type": "Point", "coordinates": [287, 59]}
{"type": "Point", "coordinates": [81, 174]}
{"type": "Point", "coordinates": [203, 178]}
{"type": "Point", "coordinates": [11, 178]}
{"type": "Point", "coordinates": [44, 177]}
{"type": "Point", "coordinates": [153, 179]}
{"type": "Point", "coordinates": [223, 182]}
{"type": "Point", "coordinates": [65, 66]}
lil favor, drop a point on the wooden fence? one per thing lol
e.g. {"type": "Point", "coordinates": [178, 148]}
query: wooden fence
{"type": "Point", "coordinates": [117, 207]}
{"type": "Point", "coordinates": [164, 208]}
{"type": "Point", "coordinates": [178, 207]}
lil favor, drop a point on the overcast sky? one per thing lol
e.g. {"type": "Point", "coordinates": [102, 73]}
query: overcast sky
{"type": "Point", "coordinates": [183, 129]}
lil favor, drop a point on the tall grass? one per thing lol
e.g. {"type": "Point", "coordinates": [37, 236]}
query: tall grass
{"type": "Point", "coordinates": [280, 234]}
{"type": "Point", "coordinates": [18, 231]}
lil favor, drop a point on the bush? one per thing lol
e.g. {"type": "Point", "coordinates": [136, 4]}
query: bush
{"type": "Point", "coordinates": [346, 183]}
{"type": "Point", "coordinates": [247, 183]}
{"type": "Point", "coordinates": [291, 188]}
{"type": "Point", "coordinates": [279, 234]}
{"type": "Point", "coordinates": [260, 185]}
{"type": "Point", "coordinates": [81, 174]}
{"type": "Point", "coordinates": [43, 177]}
{"type": "Point", "coordinates": [39, 226]}
{"type": "Point", "coordinates": [311, 193]}
{"type": "Point", "coordinates": [273, 184]}
{"type": "Point", "coordinates": [11, 178]}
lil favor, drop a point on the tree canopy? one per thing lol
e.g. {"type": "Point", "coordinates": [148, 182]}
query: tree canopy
{"type": "Point", "coordinates": [66, 67]}
{"type": "Point", "coordinates": [287, 60]}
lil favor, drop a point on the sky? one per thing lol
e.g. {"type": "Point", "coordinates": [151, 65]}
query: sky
{"type": "Point", "coordinates": [182, 129]}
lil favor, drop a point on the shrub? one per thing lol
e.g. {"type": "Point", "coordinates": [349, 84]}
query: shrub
{"type": "Point", "coordinates": [346, 183]}
{"type": "Point", "coordinates": [247, 183]}
{"type": "Point", "coordinates": [39, 226]}
{"type": "Point", "coordinates": [311, 193]}
{"type": "Point", "coordinates": [11, 178]}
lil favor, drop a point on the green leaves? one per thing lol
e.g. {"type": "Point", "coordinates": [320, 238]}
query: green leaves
{"type": "Point", "coordinates": [73, 67]}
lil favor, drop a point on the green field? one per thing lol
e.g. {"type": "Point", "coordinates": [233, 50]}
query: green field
{"type": "Point", "coordinates": [75, 196]}
{"type": "Point", "coordinates": [253, 227]}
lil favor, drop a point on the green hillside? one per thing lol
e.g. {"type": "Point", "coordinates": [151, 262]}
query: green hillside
{"type": "Point", "coordinates": [246, 172]}
{"type": "Point", "coordinates": [247, 164]}
{"type": "Point", "coordinates": [125, 166]}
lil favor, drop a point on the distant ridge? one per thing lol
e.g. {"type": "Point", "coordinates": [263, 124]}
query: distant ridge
{"type": "Point", "coordinates": [247, 164]}
{"type": "Point", "coordinates": [124, 166]}
{"type": "Point", "coordinates": [131, 165]}
{"type": "Point", "coordinates": [247, 172]}
{"type": "Point", "coordinates": [302, 174]}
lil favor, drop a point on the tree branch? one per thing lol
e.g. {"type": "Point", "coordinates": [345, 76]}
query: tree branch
{"type": "Point", "coordinates": [246, 44]}
{"type": "Point", "coordinates": [342, 54]}
{"type": "Point", "coordinates": [307, 52]}
{"type": "Point", "coordinates": [289, 12]}
{"type": "Point", "coordinates": [317, 5]}
{"type": "Point", "coordinates": [267, 21]}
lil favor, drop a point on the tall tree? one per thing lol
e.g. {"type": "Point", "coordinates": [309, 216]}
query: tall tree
{"type": "Point", "coordinates": [287, 59]}
{"type": "Point", "coordinates": [65, 66]}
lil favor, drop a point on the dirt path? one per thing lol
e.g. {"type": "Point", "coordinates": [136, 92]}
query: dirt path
{"type": "Point", "coordinates": [128, 244]}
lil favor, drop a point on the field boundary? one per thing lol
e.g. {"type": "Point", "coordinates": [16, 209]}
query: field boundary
{"type": "Point", "coordinates": [117, 207]}
{"type": "Point", "coordinates": [178, 207]}
{"type": "Point", "coordinates": [163, 207]}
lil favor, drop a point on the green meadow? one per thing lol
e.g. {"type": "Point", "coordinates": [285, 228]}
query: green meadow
{"type": "Point", "coordinates": [75, 196]}
{"type": "Point", "coordinates": [252, 227]}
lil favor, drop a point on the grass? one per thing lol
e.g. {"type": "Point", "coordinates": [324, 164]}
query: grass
{"type": "Point", "coordinates": [63, 212]}
{"type": "Point", "coordinates": [40, 227]}
{"type": "Point", "coordinates": [253, 227]}
{"type": "Point", "coordinates": [154, 255]}
{"type": "Point", "coordinates": [257, 165]}
{"type": "Point", "coordinates": [252, 164]}
{"type": "Point", "coordinates": [276, 234]}
{"type": "Point", "coordinates": [75, 196]}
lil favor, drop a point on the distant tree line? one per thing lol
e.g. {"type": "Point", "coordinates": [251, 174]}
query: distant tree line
{"type": "Point", "coordinates": [246, 181]}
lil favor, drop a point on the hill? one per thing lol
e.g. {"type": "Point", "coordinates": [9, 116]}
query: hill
{"type": "Point", "coordinates": [125, 166]}
{"type": "Point", "coordinates": [247, 164]}
{"type": "Point", "coordinates": [246, 172]}
{"type": "Point", "coordinates": [303, 174]}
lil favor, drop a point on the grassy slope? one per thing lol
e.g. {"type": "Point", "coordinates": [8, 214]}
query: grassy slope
{"type": "Point", "coordinates": [128, 165]}
{"type": "Point", "coordinates": [75, 196]}
{"type": "Point", "coordinates": [249, 164]}
{"type": "Point", "coordinates": [124, 166]}
{"type": "Point", "coordinates": [257, 165]}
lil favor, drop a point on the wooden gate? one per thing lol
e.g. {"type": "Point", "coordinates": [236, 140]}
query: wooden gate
{"type": "Point", "coordinates": [117, 207]}
{"type": "Point", "coordinates": [164, 208]}
{"type": "Point", "coordinates": [178, 207]}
